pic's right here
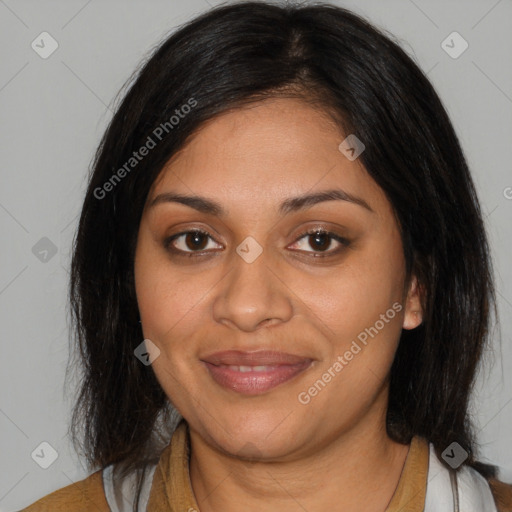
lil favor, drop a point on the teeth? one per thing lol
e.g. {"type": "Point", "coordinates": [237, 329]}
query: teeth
{"type": "Point", "coordinates": [244, 369]}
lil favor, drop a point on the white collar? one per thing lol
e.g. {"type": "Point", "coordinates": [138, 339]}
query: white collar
{"type": "Point", "coordinates": [474, 493]}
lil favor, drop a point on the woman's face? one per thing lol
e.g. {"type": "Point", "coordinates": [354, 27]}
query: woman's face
{"type": "Point", "coordinates": [255, 282]}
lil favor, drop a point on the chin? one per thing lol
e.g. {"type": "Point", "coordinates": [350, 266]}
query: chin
{"type": "Point", "coordinates": [254, 435]}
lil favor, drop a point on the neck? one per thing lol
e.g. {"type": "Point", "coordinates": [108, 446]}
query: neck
{"type": "Point", "coordinates": [356, 470]}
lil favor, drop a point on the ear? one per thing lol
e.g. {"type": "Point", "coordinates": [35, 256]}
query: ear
{"type": "Point", "coordinates": [413, 315]}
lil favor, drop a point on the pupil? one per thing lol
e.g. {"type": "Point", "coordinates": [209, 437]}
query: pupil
{"type": "Point", "coordinates": [195, 239]}
{"type": "Point", "coordinates": [321, 240]}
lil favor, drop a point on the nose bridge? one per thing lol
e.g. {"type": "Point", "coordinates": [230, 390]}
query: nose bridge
{"type": "Point", "coordinates": [251, 294]}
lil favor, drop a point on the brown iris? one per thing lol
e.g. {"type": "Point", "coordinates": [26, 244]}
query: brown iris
{"type": "Point", "coordinates": [321, 241]}
{"type": "Point", "coordinates": [196, 240]}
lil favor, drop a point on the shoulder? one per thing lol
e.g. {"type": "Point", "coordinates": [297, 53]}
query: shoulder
{"type": "Point", "coordinates": [82, 496]}
{"type": "Point", "coordinates": [502, 493]}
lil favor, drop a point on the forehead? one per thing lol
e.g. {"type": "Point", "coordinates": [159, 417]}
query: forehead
{"type": "Point", "coordinates": [264, 152]}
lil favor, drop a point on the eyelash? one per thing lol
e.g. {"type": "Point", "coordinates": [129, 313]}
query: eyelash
{"type": "Point", "coordinates": [315, 231]}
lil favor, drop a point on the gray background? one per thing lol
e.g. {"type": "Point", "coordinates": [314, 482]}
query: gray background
{"type": "Point", "coordinates": [53, 113]}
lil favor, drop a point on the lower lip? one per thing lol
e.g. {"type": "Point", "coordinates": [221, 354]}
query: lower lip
{"type": "Point", "coordinates": [254, 382]}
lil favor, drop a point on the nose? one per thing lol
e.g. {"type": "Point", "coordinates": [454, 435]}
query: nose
{"type": "Point", "coordinates": [252, 296]}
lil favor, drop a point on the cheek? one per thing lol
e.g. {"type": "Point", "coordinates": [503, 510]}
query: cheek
{"type": "Point", "coordinates": [353, 298]}
{"type": "Point", "coordinates": [169, 310]}
{"type": "Point", "coordinates": [166, 306]}
{"type": "Point", "coordinates": [361, 316]}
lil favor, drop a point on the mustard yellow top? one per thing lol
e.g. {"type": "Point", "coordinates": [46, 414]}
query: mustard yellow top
{"type": "Point", "coordinates": [175, 494]}
{"type": "Point", "coordinates": [171, 489]}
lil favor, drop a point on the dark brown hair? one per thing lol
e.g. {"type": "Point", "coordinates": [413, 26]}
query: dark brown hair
{"type": "Point", "coordinates": [336, 60]}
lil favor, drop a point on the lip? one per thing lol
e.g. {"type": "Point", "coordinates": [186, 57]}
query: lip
{"type": "Point", "coordinates": [254, 358]}
{"type": "Point", "coordinates": [275, 368]}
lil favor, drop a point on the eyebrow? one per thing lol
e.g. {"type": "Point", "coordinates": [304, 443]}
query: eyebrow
{"type": "Point", "coordinates": [208, 206]}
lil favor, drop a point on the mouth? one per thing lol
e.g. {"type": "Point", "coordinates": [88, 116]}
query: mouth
{"type": "Point", "coordinates": [254, 373]}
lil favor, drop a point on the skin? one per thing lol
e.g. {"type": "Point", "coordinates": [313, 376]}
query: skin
{"type": "Point", "coordinates": [270, 451]}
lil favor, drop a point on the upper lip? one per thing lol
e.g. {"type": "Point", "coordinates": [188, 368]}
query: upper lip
{"type": "Point", "coordinates": [255, 358]}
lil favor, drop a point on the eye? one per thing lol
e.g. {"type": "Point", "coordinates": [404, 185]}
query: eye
{"type": "Point", "coordinates": [189, 242]}
{"type": "Point", "coordinates": [321, 241]}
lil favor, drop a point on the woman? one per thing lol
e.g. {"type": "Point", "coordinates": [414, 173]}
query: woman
{"type": "Point", "coordinates": [281, 210]}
